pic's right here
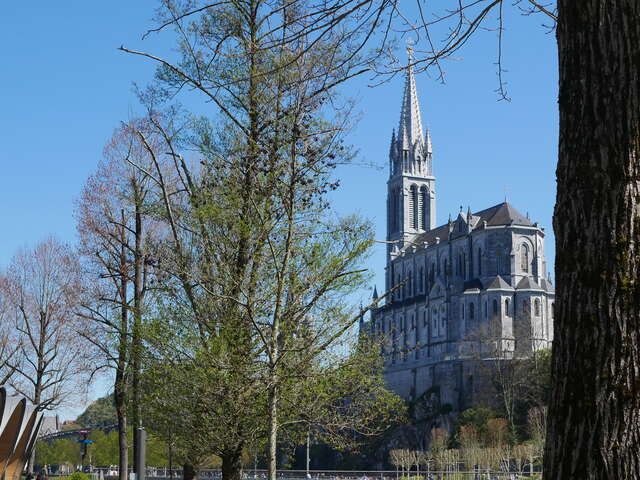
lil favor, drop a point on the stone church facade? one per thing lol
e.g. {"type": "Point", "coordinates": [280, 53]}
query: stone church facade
{"type": "Point", "coordinates": [482, 273]}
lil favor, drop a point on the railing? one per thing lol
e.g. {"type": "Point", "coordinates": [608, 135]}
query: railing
{"type": "Point", "coordinates": [110, 473]}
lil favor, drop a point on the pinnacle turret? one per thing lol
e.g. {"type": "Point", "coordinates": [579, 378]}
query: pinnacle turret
{"type": "Point", "coordinates": [427, 141]}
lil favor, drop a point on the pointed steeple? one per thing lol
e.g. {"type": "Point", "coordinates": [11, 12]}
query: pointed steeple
{"type": "Point", "coordinates": [427, 140]}
{"type": "Point", "coordinates": [375, 292]}
{"type": "Point", "coordinates": [410, 127]}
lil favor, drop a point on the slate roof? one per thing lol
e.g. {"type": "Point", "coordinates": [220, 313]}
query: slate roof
{"type": "Point", "coordinates": [499, 283]}
{"type": "Point", "coordinates": [547, 286]}
{"type": "Point", "coordinates": [528, 283]}
{"type": "Point", "coordinates": [501, 214]}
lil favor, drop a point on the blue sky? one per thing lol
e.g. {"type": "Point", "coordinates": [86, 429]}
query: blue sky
{"type": "Point", "coordinates": [64, 87]}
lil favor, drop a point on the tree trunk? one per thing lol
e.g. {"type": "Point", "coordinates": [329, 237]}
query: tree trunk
{"type": "Point", "coordinates": [189, 472]}
{"type": "Point", "coordinates": [231, 466]}
{"type": "Point", "coordinates": [123, 452]}
{"type": "Point", "coordinates": [136, 342]}
{"type": "Point", "coordinates": [273, 432]}
{"type": "Point", "coordinates": [594, 413]}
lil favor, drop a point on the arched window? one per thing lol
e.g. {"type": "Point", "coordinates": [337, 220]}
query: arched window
{"type": "Point", "coordinates": [495, 306]}
{"type": "Point", "coordinates": [506, 307]}
{"type": "Point", "coordinates": [479, 261]}
{"type": "Point", "coordinates": [536, 307]}
{"type": "Point", "coordinates": [524, 257]}
{"type": "Point", "coordinates": [472, 312]}
{"type": "Point", "coordinates": [413, 203]}
{"type": "Point", "coordinates": [424, 221]}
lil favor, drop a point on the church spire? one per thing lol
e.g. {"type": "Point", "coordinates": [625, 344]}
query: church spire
{"type": "Point", "coordinates": [410, 127]}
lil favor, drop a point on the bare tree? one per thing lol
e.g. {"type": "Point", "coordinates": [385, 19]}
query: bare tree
{"type": "Point", "coordinates": [40, 289]}
{"type": "Point", "coordinates": [114, 243]}
{"type": "Point", "coordinates": [9, 348]}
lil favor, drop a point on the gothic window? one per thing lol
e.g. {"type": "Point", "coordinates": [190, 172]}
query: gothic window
{"type": "Point", "coordinates": [424, 318]}
{"type": "Point", "coordinates": [485, 310]}
{"type": "Point", "coordinates": [479, 261]}
{"type": "Point", "coordinates": [524, 258]}
{"type": "Point", "coordinates": [392, 210]}
{"type": "Point", "coordinates": [536, 307]}
{"type": "Point", "coordinates": [495, 306]}
{"type": "Point", "coordinates": [421, 280]}
{"type": "Point", "coordinates": [413, 213]}
{"type": "Point", "coordinates": [423, 208]}
{"type": "Point", "coordinates": [552, 311]}
{"type": "Point", "coordinates": [506, 307]}
{"type": "Point", "coordinates": [472, 312]}
{"type": "Point", "coordinates": [462, 311]}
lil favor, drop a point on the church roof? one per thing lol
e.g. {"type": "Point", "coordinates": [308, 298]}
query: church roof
{"type": "Point", "coordinates": [499, 283]}
{"type": "Point", "coordinates": [547, 286]}
{"type": "Point", "coordinates": [501, 214]}
{"type": "Point", "coordinates": [528, 283]}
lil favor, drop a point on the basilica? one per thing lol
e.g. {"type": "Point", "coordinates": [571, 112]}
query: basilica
{"type": "Point", "coordinates": [481, 275]}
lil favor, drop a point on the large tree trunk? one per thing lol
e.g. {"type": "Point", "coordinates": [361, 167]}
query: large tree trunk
{"type": "Point", "coordinates": [594, 413]}
{"type": "Point", "coordinates": [189, 472]}
{"type": "Point", "coordinates": [232, 466]}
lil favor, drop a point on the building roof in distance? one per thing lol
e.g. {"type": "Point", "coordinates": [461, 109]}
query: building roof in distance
{"type": "Point", "coordinates": [500, 214]}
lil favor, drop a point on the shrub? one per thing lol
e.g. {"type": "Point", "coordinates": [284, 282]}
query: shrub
{"type": "Point", "coordinates": [77, 476]}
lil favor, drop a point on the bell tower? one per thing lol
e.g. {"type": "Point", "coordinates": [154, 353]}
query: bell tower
{"type": "Point", "coordinates": [411, 196]}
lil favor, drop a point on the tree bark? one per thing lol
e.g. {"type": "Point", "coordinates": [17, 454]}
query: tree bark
{"type": "Point", "coordinates": [594, 412]}
{"type": "Point", "coordinates": [189, 472]}
{"type": "Point", "coordinates": [120, 388]}
{"type": "Point", "coordinates": [232, 466]}
{"type": "Point", "coordinates": [273, 432]}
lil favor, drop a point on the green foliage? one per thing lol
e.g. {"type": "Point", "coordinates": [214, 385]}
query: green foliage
{"type": "Point", "coordinates": [57, 452]}
{"type": "Point", "coordinates": [100, 413]}
{"type": "Point", "coordinates": [78, 476]}
{"type": "Point", "coordinates": [103, 452]}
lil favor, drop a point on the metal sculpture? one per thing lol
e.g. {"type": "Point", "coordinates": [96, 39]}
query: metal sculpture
{"type": "Point", "coordinates": [19, 427]}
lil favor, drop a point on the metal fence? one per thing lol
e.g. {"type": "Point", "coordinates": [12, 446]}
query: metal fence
{"type": "Point", "coordinates": [152, 473]}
